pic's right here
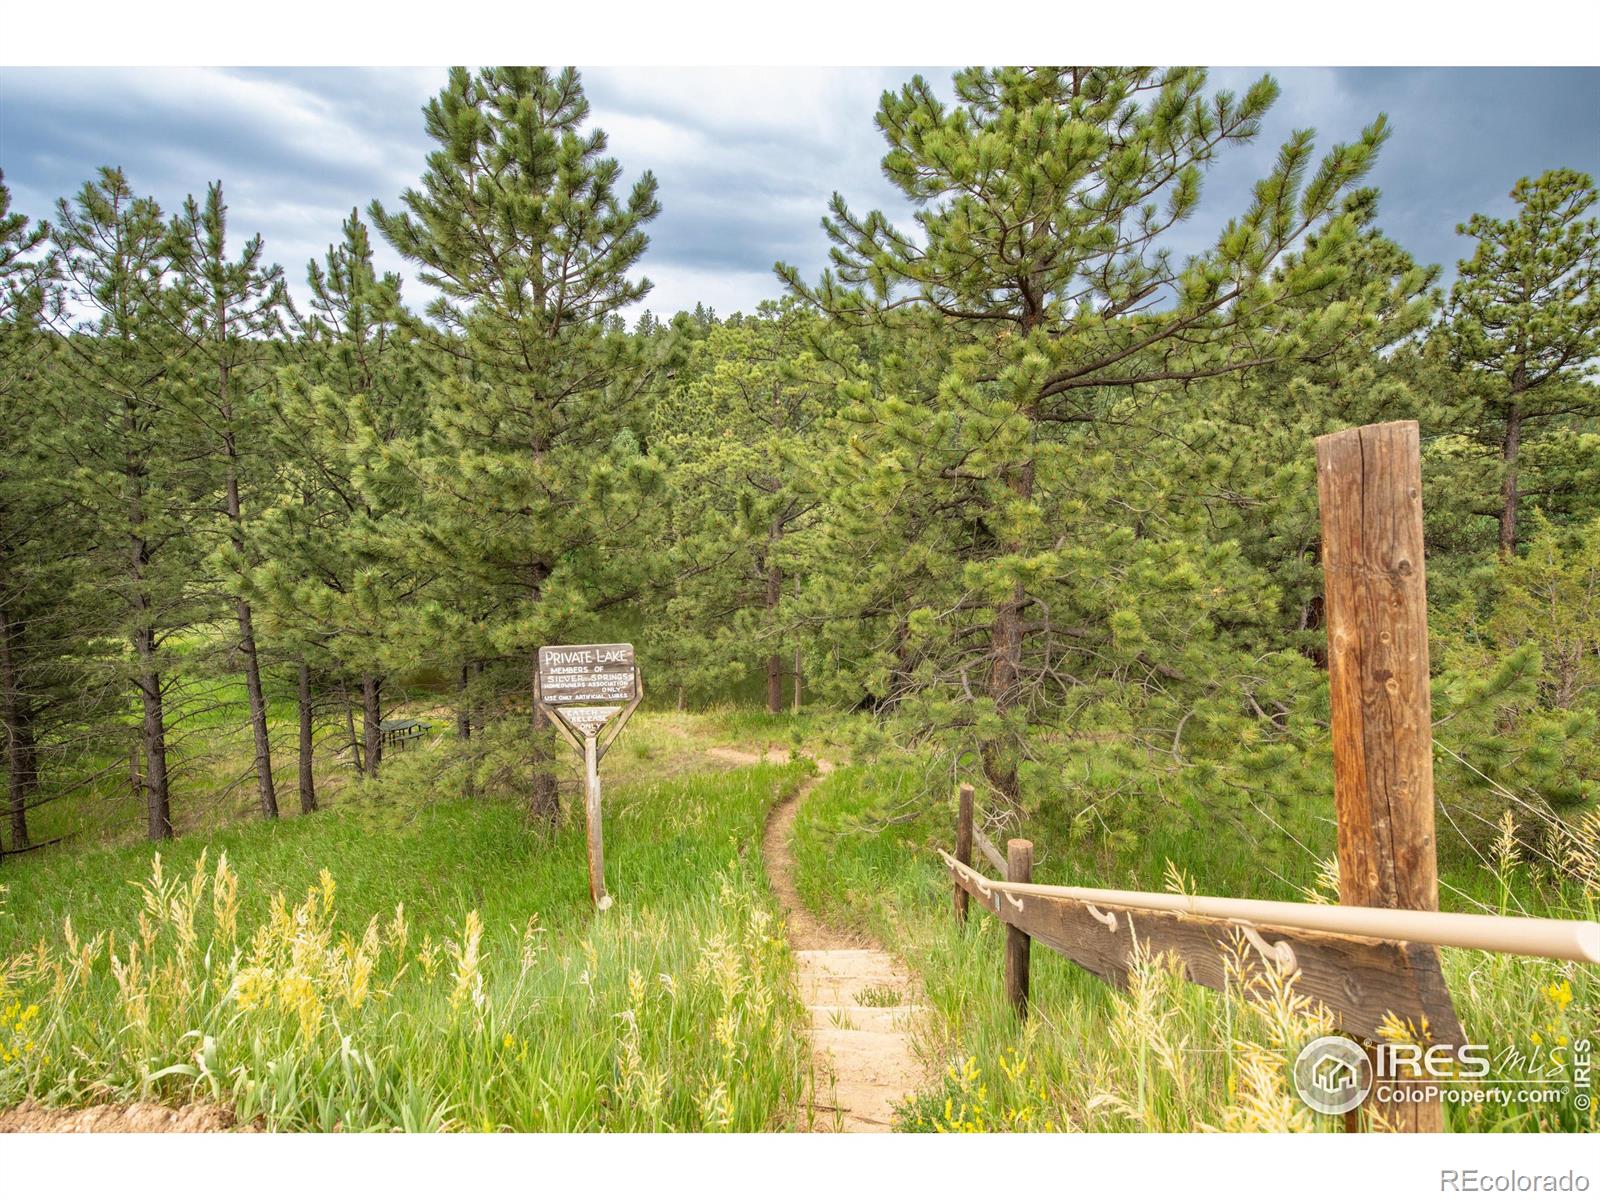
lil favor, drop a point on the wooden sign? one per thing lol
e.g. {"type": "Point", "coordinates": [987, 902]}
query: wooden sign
{"type": "Point", "coordinates": [589, 692]}
{"type": "Point", "coordinates": [601, 674]}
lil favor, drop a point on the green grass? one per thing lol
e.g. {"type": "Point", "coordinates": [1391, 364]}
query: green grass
{"type": "Point", "coordinates": [1166, 1055]}
{"type": "Point", "coordinates": [674, 1010]}
{"type": "Point", "coordinates": [211, 756]}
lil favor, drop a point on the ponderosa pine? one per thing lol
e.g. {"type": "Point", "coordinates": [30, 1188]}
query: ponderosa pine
{"type": "Point", "coordinates": [520, 225]}
{"type": "Point", "coordinates": [233, 309]}
{"type": "Point", "coordinates": [1524, 318]}
{"type": "Point", "coordinates": [751, 399]}
{"type": "Point", "coordinates": [122, 422]}
{"type": "Point", "coordinates": [25, 496]}
{"type": "Point", "coordinates": [326, 565]}
{"type": "Point", "coordinates": [1044, 197]}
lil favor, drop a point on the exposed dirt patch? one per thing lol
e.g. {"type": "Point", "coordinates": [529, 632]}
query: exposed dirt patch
{"type": "Point", "coordinates": [746, 758]}
{"type": "Point", "coordinates": [140, 1117]}
{"type": "Point", "coordinates": [860, 999]}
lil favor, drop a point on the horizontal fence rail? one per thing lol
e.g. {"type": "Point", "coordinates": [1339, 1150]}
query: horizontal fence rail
{"type": "Point", "coordinates": [1360, 981]}
{"type": "Point", "coordinates": [1540, 937]}
{"type": "Point", "coordinates": [1370, 959]}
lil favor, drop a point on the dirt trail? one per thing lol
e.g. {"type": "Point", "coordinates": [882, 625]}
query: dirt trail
{"type": "Point", "coordinates": [141, 1117]}
{"type": "Point", "coordinates": [862, 1002]}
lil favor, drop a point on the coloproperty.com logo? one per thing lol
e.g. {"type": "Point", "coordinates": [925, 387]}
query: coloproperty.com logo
{"type": "Point", "coordinates": [1334, 1075]}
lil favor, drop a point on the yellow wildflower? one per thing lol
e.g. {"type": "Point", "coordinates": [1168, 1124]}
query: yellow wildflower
{"type": "Point", "coordinates": [1560, 994]}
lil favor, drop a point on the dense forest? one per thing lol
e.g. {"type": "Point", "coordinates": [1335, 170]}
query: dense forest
{"type": "Point", "coordinates": [1025, 490]}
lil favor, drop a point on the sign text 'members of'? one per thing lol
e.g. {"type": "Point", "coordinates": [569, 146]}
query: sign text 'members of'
{"type": "Point", "coordinates": [586, 674]}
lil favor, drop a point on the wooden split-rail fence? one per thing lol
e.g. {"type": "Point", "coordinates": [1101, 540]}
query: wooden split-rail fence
{"type": "Point", "coordinates": [1372, 957]}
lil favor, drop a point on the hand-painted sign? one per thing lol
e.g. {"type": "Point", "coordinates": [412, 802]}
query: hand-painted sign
{"type": "Point", "coordinates": [586, 674]}
{"type": "Point", "coordinates": [584, 690]}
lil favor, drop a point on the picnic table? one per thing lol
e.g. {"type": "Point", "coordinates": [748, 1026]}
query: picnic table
{"type": "Point", "coordinates": [399, 731]}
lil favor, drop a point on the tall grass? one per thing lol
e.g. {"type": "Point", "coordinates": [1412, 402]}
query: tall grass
{"type": "Point", "coordinates": [1164, 1055]}
{"type": "Point", "coordinates": [421, 967]}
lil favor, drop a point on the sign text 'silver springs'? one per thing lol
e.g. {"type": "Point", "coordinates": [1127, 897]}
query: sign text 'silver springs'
{"type": "Point", "coordinates": [586, 674]}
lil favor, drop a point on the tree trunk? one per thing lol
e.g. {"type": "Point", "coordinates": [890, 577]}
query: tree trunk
{"type": "Point", "coordinates": [27, 776]}
{"type": "Point", "coordinates": [774, 592]}
{"type": "Point", "coordinates": [153, 734]}
{"type": "Point", "coordinates": [1005, 634]}
{"type": "Point", "coordinates": [350, 726]}
{"type": "Point", "coordinates": [265, 792]}
{"type": "Point", "coordinates": [1508, 486]}
{"type": "Point", "coordinates": [463, 713]}
{"type": "Point", "coordinates": [1005, 648]}
{"type": "Point", "coordinates": [153, 730]}
{"type": "Point", "coordinates": [544, 801]}
{"type": "Point", "coordinates": [372, 722]}
{"type": "Point", "coordinates": [797, 681]}
{"type": "Point", "coordinates": [774, 683]}
{"type": "Point", "coordinates": [1005, 669]}
{"type": "Point", "coordinates": [308, 779]}
{"type": "Point", "coordinates": [17, 738]}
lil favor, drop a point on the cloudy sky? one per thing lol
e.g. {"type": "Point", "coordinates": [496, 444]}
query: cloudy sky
{"type": "Point", "coordinates": [746, 158]}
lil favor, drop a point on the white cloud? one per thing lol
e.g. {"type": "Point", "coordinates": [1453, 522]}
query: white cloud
{"type": "Point", "coordinates": [806, 103]}
{"type": "Point", "coordinates": [679, 288]}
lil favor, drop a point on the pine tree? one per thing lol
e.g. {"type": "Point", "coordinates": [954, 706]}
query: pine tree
{"type": "Point", "coordinates": [1524, 321]}
{"type": "Point", "coordinates": [735, 428]}
{"type": "Point", "coordinates": [24, 500]}
{"type": "Point", "coordinates": [122, 425]}
{"type": "Point", "coordinates": [1250, 468]}
{"type": "Point", "coordinates": [326, 563]}
{"type": "Point", "coordinates": [61, 698]}
{"type": "Point", "coordinates": [1043, 198]}
{"type": "Point", "coordinates": [520, 226]}
{"type": "Point", "coordinates": [232, 312]}
{"type": "Point", "coordinates": [1517, 691]}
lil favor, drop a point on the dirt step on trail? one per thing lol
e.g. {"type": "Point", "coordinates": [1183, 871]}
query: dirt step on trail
{"type": "Point", "coordinates": [862, 1002]}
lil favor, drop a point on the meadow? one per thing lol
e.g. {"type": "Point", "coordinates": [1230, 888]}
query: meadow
{"type": "Point", "coordinates": [400, 962]}
{"type": "Point", "coordinates": [417, 957]}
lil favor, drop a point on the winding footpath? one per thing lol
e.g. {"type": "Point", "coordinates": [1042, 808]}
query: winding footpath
{"type": "Point", "coordinates": [862, 1002]}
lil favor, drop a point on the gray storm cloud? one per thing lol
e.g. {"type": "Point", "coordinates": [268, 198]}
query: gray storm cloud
{"type": "Point", "coordinates": [746, 158]}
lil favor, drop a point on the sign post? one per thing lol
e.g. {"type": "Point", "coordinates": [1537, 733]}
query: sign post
{"type": "Point", "coordinates": [584, 690]}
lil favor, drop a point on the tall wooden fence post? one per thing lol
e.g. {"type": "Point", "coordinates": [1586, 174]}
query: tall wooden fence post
{"type": "Point", "coordinates": [1019, 869]}
{"type": "Point", "coordinates": [963, 845]}
{"type": "Point", "coordinates": [1369, 484]}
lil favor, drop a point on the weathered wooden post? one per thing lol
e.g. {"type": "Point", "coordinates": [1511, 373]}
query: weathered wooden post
{"type": "Point", "coordinates": [1019, 869]}
{"type": "Point", "coordinates": [963, 845]}
{"type": "Point", "coordinates": [591, 821]}
{"type": "Point", "coordinates": [1369, 483]}
{"type": "Point", "coordinates": [583, 689]}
